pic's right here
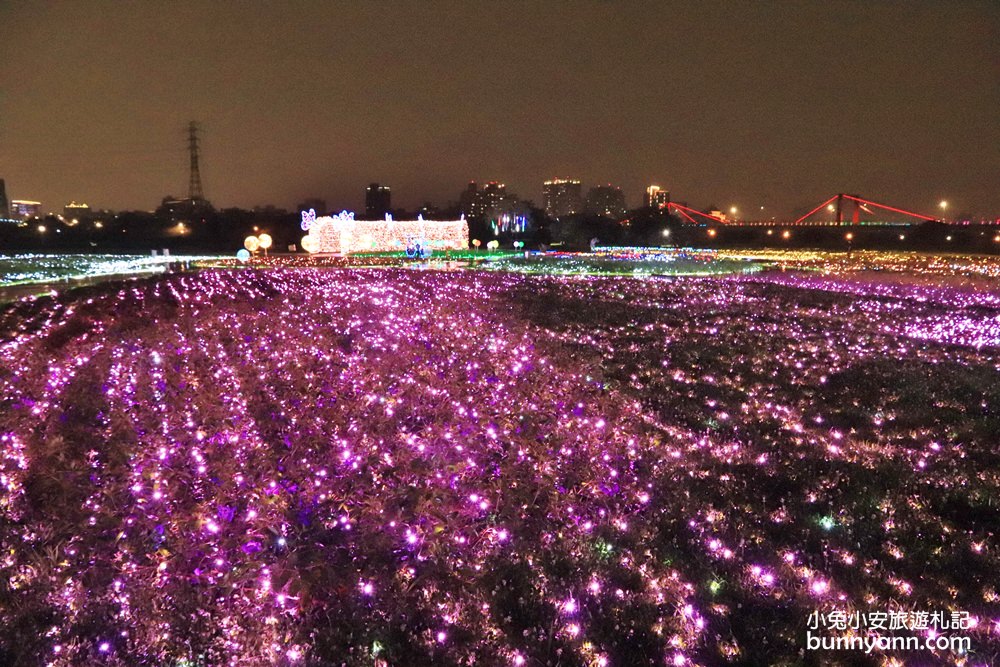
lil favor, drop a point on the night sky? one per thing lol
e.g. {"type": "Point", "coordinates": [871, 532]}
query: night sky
{"type": "Point", "coordinates": [778, 104]}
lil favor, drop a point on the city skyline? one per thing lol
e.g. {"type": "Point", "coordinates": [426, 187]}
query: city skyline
{"type": "Point", "coordinates": [294, 105]}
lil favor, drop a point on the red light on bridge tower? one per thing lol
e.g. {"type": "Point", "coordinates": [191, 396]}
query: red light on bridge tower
{"type": "Point", "coordinates": [855, 216]}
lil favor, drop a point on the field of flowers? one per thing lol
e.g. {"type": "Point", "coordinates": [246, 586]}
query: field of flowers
{"type": "Point", "coordinates": [390, 467]}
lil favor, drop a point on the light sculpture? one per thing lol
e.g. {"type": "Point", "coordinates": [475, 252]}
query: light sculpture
{"type": "Point", "coordinates": [343, 234]}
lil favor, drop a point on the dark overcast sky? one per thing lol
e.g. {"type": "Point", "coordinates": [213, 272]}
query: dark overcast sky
{"type": "Point", "coordinates": [746, 103]}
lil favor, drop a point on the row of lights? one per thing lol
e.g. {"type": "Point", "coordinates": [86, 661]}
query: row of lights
{"type": "Point", "coordinates": [787, 234]}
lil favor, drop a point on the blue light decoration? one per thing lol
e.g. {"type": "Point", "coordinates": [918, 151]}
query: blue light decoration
{"type": "Point", "coordinates": [418, 248]}
{"type": "Point", "coordinates": [243, 255]}
{"type": "Point", "coordinates": [510, 223]}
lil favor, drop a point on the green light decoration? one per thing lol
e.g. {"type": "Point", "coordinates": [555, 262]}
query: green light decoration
{"type": "Point", "coordinates": [604, 549]}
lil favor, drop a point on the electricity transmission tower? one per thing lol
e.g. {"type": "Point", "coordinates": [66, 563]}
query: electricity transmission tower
{"type": "Point", "coordinates": [195, 192]}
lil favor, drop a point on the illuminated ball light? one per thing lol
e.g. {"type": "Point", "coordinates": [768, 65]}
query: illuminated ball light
{"type": "Point", "coordinates": [310, 243]}
{"type": "Point", "coordinates": [343, 234]}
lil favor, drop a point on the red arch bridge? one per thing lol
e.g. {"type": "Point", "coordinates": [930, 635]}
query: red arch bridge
{"type": "Point", "coordinates": [840, 209]}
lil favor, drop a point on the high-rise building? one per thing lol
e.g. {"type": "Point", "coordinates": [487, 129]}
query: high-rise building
{"type": "Point", "coordinates": [378, 200]}
{"type": "Point", "coordinates": [656, 197]}
{"type": "Point", "coordinates": [22, 209]}
{"type": "Point", "coordinates": [607, 200]}
{"type": "Point", "coordinates": [4, 205]}
{"type": "Point", "coordinates": [562, 196]}
{"type": "Point", "coordinates": [467, 199]}
{"type": "Point", "coordinates": [503, 211]}
{"type": "Point", "coordinates": [490, 201]}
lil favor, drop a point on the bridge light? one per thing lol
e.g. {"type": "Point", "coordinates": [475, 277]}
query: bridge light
{"type": "Point", "coordinates": [947, 238]}
{"type": "Point", "coordinates": [666, 232]}
{"type": "Point", "coordinates": [849, 236]}
{"type": "Point", "coordinates": [831, 208]}
{"type": "Point", "coordinates": [902, 237]}
{"type": "Point", "coordinates": [770, 232]}
{"type": "Point", "coordinates": [711, 233]}
{"type": "Point", "coordinates": [996, 239]}
{"type": "Point", "coordinates": [943, 204]}
{"type": "Point", "coordinates": [732, 210]}
{"type": "Point", "coordinates": [786, 234]}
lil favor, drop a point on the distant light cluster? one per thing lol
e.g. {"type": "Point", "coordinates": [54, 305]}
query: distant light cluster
{"type": "Point", "coordinates": [343, 234]}
{"type": "Point", "coordinates": [909, 263]}
{"type": "Point", "coordinates": [35, 268]}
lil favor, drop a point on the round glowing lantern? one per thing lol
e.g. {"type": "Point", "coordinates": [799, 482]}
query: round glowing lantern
{"type": "Point", "coordinates": [243, 255]}
{"type": "Point", "coordinates": [265, 241]}
{"type": "Point", "coordinates": [310, 243]}
{"type": "Point", "coordinates": [251, 243]}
